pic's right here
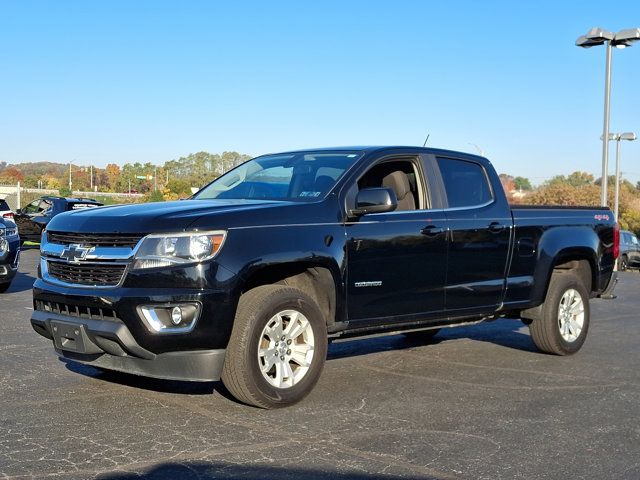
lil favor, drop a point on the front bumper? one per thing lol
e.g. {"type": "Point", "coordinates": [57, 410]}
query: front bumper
{"type": "Point", "coordinates": [211, 331]}
{"type": "Point", "coordinates": [109, 344]}
{"type": "Point", "coordinates": [9, 262]}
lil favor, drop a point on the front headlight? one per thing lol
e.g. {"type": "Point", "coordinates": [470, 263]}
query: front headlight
{"type": "Point", "coordinates": [178, 249]}
{"type": "Point", "coordinates": [4, 246]}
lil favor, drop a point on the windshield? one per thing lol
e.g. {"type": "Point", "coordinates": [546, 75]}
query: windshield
{"type": "Point", "coordinates": [302, 177]}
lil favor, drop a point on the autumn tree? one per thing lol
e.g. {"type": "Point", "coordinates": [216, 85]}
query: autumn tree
{"type": "Point", "coordinates": [11, 175]}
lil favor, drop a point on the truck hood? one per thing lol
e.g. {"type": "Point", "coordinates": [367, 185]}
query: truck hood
{"type": "Point", "coordinates": [157, 217]}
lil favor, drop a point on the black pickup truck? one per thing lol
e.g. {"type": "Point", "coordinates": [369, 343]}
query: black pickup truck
{"type": "Point", "coordinates": [250, 279]}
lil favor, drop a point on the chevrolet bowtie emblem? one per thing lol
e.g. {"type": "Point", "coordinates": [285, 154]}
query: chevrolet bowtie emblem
{"type": "Point", "coordinates": [75, 253]}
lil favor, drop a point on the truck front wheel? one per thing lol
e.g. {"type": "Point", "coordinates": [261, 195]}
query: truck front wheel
{"type": "Point", "coordinates": [562, 327]}
{"type": "Point", "coordinates": [277, 349]}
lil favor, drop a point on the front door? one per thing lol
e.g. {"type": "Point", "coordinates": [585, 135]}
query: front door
{"type": "Point", "coordinates": [396, 261]}
{"type": "Point", "coordinates": [24, 218]}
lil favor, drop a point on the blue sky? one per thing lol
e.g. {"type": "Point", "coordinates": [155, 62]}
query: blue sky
{"type": "Point", "coordinates": [120, 82]}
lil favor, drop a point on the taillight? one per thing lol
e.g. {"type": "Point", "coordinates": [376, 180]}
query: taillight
{"type": "Point", "coordinates": [616, 240]}
{"type": "Point", "coordinates": [8, 215]}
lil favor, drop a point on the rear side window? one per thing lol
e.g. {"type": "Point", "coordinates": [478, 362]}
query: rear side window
{"type": "Point", "coordinates": [80, 205]}
{"type": "Point", "coordinates": [626, 238]}
{"type": "Point", "coordinates": [4, 206]}
{"type": "Point", "coordinates": [465, 182]}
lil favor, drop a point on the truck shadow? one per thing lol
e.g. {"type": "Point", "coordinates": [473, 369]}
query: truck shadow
{"type": "Point", "coordinates": [505, 333]}
{"type": "Point", "coordinates": [220, 470]}
{"type": "Point", "coordinates": [21, 283]}
{"type": "Point", "coordinates": [146, 383]}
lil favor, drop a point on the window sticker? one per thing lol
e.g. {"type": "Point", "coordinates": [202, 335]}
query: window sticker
{"type": "Point", "coordinates": [310, 194]}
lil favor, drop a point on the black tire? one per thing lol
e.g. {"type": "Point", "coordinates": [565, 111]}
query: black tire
{"type": "Point", "coordinates": [545, 329]}
{"type": "Point", "coordinates": [242, 374]}
{"type": "Point", "coordinates": [624, 263]}
{"type": "Point", "coordinates": [4, 287]}
{"type": "Point", "coordinates": [422, 335]}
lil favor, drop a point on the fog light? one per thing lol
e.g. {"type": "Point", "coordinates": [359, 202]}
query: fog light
{"type": "Point", "coordinates": [176, 315]}
{"type": "Point", "coordinates": [170, 318]}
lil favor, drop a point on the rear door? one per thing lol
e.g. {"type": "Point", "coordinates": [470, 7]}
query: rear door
{"type": "Point", "coordinates": [480, 226]}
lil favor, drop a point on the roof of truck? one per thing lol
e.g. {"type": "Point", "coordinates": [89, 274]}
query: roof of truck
{"type": "Point", "coordinates": [400, 149]}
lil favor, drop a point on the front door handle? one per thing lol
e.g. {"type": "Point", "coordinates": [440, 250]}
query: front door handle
{"type": "Point", "coordinates": [496, 227]}
{"type": "Point", "coordinates": [432, 230]}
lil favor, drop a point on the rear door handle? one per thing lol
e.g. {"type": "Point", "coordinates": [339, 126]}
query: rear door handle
{"type": "Point", "coordinates": [496, 227]}
{"type": "Point", "coordinates": [432, 230]}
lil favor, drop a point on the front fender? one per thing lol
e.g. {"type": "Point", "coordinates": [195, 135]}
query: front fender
{"type": "Point", "coordinates": [250, 251]}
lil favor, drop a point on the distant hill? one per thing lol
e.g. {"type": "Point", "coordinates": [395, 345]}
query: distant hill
{"type": "Point", "coordinates": [37, 169]}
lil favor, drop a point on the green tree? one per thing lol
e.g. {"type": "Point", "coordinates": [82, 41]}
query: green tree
{"type": "Point", "coordinates": [155, 196]}
{"type": "Point", "coordinates": [522, 183]}
{"type": "Point", "coordinates": [578, 179]}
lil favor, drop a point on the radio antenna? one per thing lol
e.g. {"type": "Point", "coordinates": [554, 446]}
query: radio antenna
{"type": "Point", "coordinates": [426, 140]}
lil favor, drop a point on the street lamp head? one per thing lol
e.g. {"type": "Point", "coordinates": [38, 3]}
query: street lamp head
{"type": "Point", "coordinates": [628, 136]}
{"type": "Point", "coordinates": [625, 37]}
{"type": "Point", "coordinates": [585, 42]}
{"type": "Point", "coordinates": [612, 137]}
{"type": "Point", "coordinates": [595, 36]}
{"type": "Point", "coordinates": [600, 34]}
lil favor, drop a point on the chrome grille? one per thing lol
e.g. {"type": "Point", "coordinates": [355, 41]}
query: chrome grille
{"type": "Point", "coordinates": [79, 311]}
{"type": "Point", "coordinates": [94, 274]}
{"type": "Point", "coordinates": [95, 239]}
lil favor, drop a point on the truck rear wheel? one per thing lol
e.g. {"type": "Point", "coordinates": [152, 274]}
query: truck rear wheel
{"type": "Point", "coordinates": [277, 349]}
{"type": "Point", "coordinates": [562, 327]}
{"type": "Point", "coordinates": [623, 263]}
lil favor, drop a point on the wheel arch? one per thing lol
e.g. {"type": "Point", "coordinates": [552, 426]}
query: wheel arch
{"type": "Point", "coordinates": [319, 281]}
{"type": "Point", "coordinates": [565, 248]}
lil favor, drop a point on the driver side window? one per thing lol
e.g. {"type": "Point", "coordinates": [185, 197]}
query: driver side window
{"type": "Point", "coordinates": [402, 177]}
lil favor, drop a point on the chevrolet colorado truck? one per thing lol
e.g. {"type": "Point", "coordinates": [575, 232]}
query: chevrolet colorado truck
{"type": "Point", "coordinates": [250, 279]}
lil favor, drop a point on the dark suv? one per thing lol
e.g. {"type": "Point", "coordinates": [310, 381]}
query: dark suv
{"type": "Point", "coordinates": [629, 250]}
{"type": "Point", "coordinates": [34, 217]}
{"type": "Point", "coordinates": [9, 253]}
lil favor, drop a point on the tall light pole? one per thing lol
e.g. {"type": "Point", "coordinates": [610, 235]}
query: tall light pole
{"type": "Point", "coordinates": [480, 151]}
{"type": "Point", "coordinates": [70, 182]}
{"type": "Point", "coordinates": [599, 36]}
{"type": "Point", "coordinates": [630, 136]}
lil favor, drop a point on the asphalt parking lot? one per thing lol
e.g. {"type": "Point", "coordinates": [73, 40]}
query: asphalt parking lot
{"type": "Point", "coordinates": [479, 402]}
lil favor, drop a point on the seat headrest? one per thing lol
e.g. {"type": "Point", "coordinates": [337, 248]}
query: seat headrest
{"type": "Point", "coordinates": [323, 183]}
{"type": "Point", "coordinates": [399, 182]}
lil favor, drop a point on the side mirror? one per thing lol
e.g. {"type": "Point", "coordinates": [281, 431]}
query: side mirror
{"type": "Point", "coordinates": [375, 200]}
